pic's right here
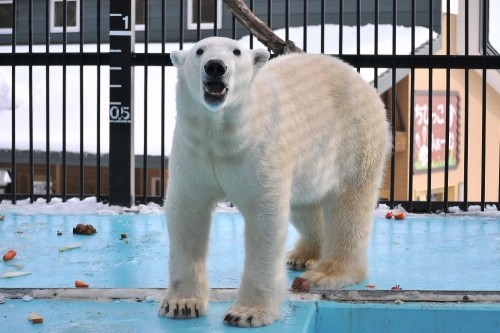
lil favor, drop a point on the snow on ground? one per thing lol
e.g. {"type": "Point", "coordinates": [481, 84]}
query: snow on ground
{"type": "Point", "coordinates": [90, 206]}
{"type": "Point", "coordinates": [87, 206]}
{"type": "Point", "coordinates": [154, 125]}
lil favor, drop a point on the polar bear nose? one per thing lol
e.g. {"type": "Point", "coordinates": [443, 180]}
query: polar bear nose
{"type": "Point", "coordinates": [215, 68]}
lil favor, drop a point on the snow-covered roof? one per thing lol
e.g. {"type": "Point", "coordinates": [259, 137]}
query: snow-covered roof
{"type": "Point", "coordinates": [89, 113]}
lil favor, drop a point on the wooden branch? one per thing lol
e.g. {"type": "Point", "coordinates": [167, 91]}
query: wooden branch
{"type": "Point", "coordinates": [259, 29]}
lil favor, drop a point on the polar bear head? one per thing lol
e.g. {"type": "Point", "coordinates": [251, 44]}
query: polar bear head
{"type": "Point", "coordinates": [217, 72]}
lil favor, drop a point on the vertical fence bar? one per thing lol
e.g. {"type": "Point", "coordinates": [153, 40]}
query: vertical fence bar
{"type": "Point", "coordinates": [30, 101]}
{"type": "Point", "coordinates": [47, 103]}
{"type": "Point", "coordinates": [447, 108]}
{"type": "Point", "coordinates": [322, 13]}
{"type": "Point", "coordinates": [358, 34]}
{"type": "Point", "coordinates": [466, 108]}
{"type": "Point", "coordinates": [375, 45]}
{"type": "Point", "coordinates": [215, 19]}
{"type": "Point", "coordinates": [181, 25]}
{"type": "Point", "coordinates": [341, 26]}
{"type": "Point", "coordinates": [484, 39]}
{"type": "Point", "coordinates": [198, 19]}
{"type": "Point", "coordinates": [287, 19]}
{"type": "Point", "coordinates": [98, 106]}
{"type": "Point", "coordinates": [146, 76]}
{"type": "Point", "coordinates": [163, 90]}
{"type": "Point", "coordinates": [412, 107]}
{"type": "Point", "coordinates": [82, 168]}
{"type": "Point", "coordinates": [233, 27]}
{"type": "Point", "coordinates": [64, 165]}
{"type": "Point", "coordinates": [393, 101]}
{"type": "Point", "coordinates": [13, 106]}
{"type": "Point", "coordinates": [251, 35]}
{"type": "Point", "coordinates": [429, 128]}
{"type": "Point", "coordinates": [121, 105]}
{"type": "Point", "coordinates": [304, 37]}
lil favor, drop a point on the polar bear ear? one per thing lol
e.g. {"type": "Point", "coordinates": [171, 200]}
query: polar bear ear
{"type": "Point", "coordinates": [178, 58]}
{"type": "Point", "coordinates": [260, 57]}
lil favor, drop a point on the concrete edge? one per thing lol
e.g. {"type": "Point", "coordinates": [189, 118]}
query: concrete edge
{"type": "Point", "coordinates": [223, 295]}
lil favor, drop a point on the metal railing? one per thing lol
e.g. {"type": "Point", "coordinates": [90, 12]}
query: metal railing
{"type": "Point", "coordinates": [113, 175]}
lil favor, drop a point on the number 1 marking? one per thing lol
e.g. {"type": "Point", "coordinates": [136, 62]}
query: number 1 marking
{"type": "Point", "coordinates": [125, 19]}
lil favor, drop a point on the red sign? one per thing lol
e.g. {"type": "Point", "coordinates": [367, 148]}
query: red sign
{"type": "Point", "coordinates": [437, 141]}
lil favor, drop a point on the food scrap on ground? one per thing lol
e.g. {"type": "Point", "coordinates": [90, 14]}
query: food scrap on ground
{"type": "Point", "coordinates": [9, 255]}
{"type": "Point", "coordinates": [123, 236]}
{"type": "Point", "coordinates": [70, 246]}
{"type": "Point", "coordinates": [84, 229]}
{"type": "Point", "coordinates": [300, 285]}
{"type": "Point", "coordinates": [396, 288]}
{"type": "Point", "coordinates": [398, 215]}
{"type": "Point", "coordinates": [35, 318]}
{"type": "Point", "coordinates": [371, 286]}
{"type": "Point", "coordinates": [9, 274]}
{"type": "Point", "coordinates": [81, 284]}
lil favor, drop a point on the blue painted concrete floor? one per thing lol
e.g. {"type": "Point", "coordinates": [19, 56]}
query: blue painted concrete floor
{"type": "Point", "coordinates": [436, 260]}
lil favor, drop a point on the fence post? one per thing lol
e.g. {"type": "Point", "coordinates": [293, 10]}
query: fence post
{"type": "Point", "coordinates": [121, 108]}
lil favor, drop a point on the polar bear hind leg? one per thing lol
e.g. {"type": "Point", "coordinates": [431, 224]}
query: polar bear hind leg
{"type": "Point", "coordinates": [308, 220]}
{"type": "Point", "coordinates": [348, 218]}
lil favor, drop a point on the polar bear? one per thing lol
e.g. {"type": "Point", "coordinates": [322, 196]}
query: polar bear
{"type": "Point", "coordinates": [301, 137]}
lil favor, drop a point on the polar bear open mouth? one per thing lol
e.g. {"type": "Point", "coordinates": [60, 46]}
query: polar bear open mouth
{"type": "Point", "coordinates": [215, 92]}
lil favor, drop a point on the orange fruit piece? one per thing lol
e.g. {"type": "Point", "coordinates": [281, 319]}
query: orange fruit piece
{"type": "Point", "coordinates": [399, 215]}
{"type": "Point", "coordinates": [81, 284]}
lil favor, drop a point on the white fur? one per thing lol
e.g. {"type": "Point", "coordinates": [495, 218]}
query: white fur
{"type": "Point", "coordinates": [302, 137]}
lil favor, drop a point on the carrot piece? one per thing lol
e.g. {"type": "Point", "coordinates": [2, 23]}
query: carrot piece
{"type": "Point", "coordinates": [81, 284]}
{"type": "Point", "coordinates": [9, 255]}
{"type": "Point", "coordinates": [35, 318]}
{"type": "Point", "coordinates": [399, 215]}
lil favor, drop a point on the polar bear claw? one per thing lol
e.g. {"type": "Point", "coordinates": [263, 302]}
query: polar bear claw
{"type": "Point", "coordinates": [183, 308]}
{"type": "Point", "coordinates": [242, 316]}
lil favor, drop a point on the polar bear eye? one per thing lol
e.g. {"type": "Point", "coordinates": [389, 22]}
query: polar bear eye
{"type": "Point", "coordinates": [236, 52]}
{"type": "Point", "coordinates": [199, 51]}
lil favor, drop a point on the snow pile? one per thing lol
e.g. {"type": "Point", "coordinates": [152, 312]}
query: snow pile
{"type": "Point", "coordinates": [74, 206]}
{"type": "Point", "coordinates": [489, 210]}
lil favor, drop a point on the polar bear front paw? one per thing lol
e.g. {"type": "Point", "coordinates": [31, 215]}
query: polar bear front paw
{"type": "Point", "coordinates": [300, 263]}
{"type": "Point", "coordinates": [183, 308]}
{"type": "Point", "coordinates": [303, 257]}
{"type": "Point", "coordinates": [243, 316]}
{"type": "Point", "coordinates": [334, 275]}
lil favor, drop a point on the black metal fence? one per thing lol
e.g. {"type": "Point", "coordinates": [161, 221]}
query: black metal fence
{"type": "Point", "coordinates": [120, 175]}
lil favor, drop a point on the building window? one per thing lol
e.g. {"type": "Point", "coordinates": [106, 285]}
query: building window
{"type": "Point", "coordinates": [6, 23]}
{"type": "Point", "coordinates": [140, 14]}
{"type": "Point", "coordinates": [207, 14]}
{"type": "Point", "coordinates": [493, 7]}
{"type": "Point", "coordinates": [72, 15]}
